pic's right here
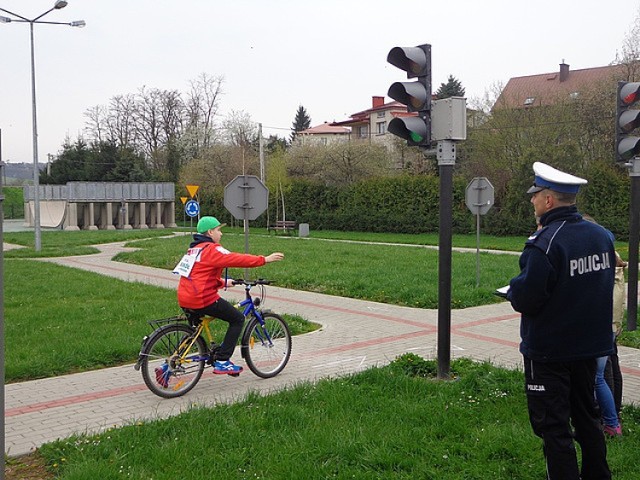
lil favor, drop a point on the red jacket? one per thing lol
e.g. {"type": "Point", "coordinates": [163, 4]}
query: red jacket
{"type": "Point", "coordinates": [200, 289]}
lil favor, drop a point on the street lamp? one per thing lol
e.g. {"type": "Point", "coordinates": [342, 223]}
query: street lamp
{"type": "Point", "coordinates": [36, 171]}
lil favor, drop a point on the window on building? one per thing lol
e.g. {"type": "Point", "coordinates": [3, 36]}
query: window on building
{"type": "Point", "coordinates": [382, 128]}
{"type": "Point", "coordinates": [381, 114]}
{"type": "Point", "coordinates": [364, 131]}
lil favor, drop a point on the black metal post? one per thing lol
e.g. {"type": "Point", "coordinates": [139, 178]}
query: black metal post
{"type": "Point", "coordinates": [634, 236]}
{"type": "Point", "coordinates": [446, 155]}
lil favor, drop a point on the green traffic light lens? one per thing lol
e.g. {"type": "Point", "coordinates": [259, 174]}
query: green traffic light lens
{"type": "Point", "coordinates": [415, 137]}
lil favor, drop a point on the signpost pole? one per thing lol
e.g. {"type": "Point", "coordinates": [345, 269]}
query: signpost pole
{"type": "Point", "coordinates": [245, 220]}
{"type": "Point", "coordinates": [479, 197]}
{"type": "Point", "coordinates": [478, 249]}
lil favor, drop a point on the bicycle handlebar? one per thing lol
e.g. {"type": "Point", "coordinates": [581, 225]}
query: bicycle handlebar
{"type": "Point", "coordinates": [250, 283]}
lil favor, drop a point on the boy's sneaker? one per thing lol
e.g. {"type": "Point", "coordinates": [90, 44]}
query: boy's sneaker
{"type": "Point", "coordinates": [226, 368]}
{"type": "Point", "coordinates": [613, 431]}
{"type": "Point", "coordinates": [162, 375]}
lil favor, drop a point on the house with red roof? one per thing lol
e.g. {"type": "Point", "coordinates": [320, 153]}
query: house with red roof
{"type": "Point", "coordinates": [371, 124]}
{"type": "Point", "coordinates": [556, 87]}
{"type": "Point", "coordinates": [324, 134]}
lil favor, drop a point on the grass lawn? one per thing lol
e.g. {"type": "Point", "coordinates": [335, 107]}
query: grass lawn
{"type": "Point", "coordinates": [395, 422]}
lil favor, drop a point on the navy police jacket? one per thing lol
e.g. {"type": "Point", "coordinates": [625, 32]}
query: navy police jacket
{"type": "Point", "coordinates": [565, 289]}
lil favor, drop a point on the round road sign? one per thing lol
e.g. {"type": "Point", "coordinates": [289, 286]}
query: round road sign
{"type": "Point", "coordinates": [192, 208]}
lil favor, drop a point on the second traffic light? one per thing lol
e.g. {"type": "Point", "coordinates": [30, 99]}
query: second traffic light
{"type": "Point", "coordinates": [627, 120]}
{"type": "Point", "coordinates": [416, 61]}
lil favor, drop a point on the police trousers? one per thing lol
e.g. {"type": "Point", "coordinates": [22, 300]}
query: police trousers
{"type": "Point", "coordinates": [560, 395]}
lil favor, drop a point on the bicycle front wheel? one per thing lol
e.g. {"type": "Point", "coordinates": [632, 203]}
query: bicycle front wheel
{"type": "Point", "coordinates": [266, 348]}
{"type": "Point", "coordinates": [173, 360]}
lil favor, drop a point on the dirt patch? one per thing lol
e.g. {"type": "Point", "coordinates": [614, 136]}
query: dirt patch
{"type": "Point", "coordinates": [27, 467]}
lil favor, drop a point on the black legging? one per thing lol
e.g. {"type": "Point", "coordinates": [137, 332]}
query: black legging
{"type": "Point", "coordinates": [225, 311]}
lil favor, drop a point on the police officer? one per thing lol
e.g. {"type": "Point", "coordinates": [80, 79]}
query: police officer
{"type": "Point", "coordinates": [564, 293]}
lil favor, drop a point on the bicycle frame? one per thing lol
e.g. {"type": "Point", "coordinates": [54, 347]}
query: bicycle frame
{"type": "Point", "coordinates": [202, 327]}
{"type": "Point", "coordinates": [249, 308]}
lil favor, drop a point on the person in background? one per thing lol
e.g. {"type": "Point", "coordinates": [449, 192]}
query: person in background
{"type": "Point", "coordinates": [613, 375]}
{"type": "Point", "coordinates": [201, 277]}
{"type": "Point", "coordinates": [603, 389]}
{"type": "Point", "coordinates": [564, 293]}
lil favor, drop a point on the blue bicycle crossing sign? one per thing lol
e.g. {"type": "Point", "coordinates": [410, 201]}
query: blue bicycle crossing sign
{"type": "Point", "coordinates": [192, 208]}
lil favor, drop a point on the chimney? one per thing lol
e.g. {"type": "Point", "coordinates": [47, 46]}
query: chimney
{"type": "Point", "coordinates": [564, 71]}
{"type": "Point", "coordinates": [377, 101]}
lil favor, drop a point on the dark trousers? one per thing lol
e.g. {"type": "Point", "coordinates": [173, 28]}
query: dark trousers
{"type": "Point", "coordinates": [561, 395]}
{"type": "Point", "coordinates": [225, 311]}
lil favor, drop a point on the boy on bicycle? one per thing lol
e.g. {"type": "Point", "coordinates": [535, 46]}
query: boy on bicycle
{"type": "Point", "coordinates": [201, 277]}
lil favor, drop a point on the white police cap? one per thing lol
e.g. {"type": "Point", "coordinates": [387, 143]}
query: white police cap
{"type": "Point", "coordinates": [548, 177]}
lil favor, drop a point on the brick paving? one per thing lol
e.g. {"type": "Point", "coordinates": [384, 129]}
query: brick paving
{"type": "Point", "coordinates": [355, 335]}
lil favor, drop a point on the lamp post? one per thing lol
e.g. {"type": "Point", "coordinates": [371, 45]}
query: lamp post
{"type": "Point", "coordinates": [36, 171]}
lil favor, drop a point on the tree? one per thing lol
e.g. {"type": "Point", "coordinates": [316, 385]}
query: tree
{"type": "Point", "coordinates": [275, 143]}
{"type": "Point", "coordinates": [301, 122]}
{"type": "Point", "coordinates": [202, 106]}
{"type": "Point", "coordinates": [69, 166]}
{"type": "Point", "coordinates": [239, 130]}
{"type": "Point", "coordinates": [168, 127]}
{"type": "Point", "coordinates": [339, 163]}
{"type": "Point", "coordinates": [629, 55]}
{"type": "Point", "coordinates": [129, 166]}
{"type": "Point", "coordinates": [453, 88]}
{"type": "Point", "coordinates": [98, 162]}
{"type": "Point", "coordinates": [217, 166]}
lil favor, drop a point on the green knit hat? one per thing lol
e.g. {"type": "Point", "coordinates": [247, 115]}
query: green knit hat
{"type": "Point", "coordinates": [208, 223]}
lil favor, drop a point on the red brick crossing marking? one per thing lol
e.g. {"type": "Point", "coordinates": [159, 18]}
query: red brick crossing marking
{"type": "Point", "coordinates": [484, 338]}
{"type": "Point", "coordinates": [368, 343]}
{"type": "Point", "coordinates": [62, 402]}
{"type": "Point", "coordinates": [484, 321]}
{"type": "Point", "coordinates": [361, 312]}
{"type": "Point", "coordinates": [459, 330]}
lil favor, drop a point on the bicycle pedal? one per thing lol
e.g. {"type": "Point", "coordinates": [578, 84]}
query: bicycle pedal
{"type": "Point", "coordinates": [233, 374]}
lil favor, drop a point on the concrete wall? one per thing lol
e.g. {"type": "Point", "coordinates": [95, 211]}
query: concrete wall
{"type": "Point", "coordinates": [107, 205]}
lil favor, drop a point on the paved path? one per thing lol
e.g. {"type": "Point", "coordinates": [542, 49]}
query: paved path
{"type": "Point", "coordinates": [355, 335]}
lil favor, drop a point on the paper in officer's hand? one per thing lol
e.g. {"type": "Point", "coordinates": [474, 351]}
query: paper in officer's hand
{"type": "Point", "coordinates": [502, 291]}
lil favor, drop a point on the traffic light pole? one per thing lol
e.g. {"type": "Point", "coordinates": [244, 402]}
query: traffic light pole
{"type": "Point", "coordinates": [446, 155]}
{"type": "Point", "coordinates": [634, 237]}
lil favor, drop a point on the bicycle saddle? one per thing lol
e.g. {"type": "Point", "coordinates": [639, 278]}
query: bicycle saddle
{"type": "Point", "coordinates": [193, 317]}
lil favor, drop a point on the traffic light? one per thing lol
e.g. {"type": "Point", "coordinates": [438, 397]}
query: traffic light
{"type": "Point", "coordinates": [416, 61]}
{"type": "Point", "coordinates": [627, 120]}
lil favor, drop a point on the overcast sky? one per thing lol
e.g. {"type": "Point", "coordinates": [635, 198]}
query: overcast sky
{"type": "Point", "coordinates": [329, 56]}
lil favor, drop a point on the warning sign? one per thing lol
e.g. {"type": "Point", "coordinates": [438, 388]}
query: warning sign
{"type": "Point", "coordinates": [193, 189]}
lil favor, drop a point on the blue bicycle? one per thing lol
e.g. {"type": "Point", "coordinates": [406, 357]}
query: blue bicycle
{"type": "Point", "coordinates": [175, 355]}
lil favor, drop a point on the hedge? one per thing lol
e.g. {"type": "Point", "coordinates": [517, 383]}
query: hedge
{"type": "Point", "coordinates": [410, 204]}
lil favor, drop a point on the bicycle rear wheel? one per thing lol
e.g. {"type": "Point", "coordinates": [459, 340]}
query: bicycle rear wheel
{"type": "Point", "coordinates": [266, 349]}
{"type": "Point", "coordinates": [173, 360]}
